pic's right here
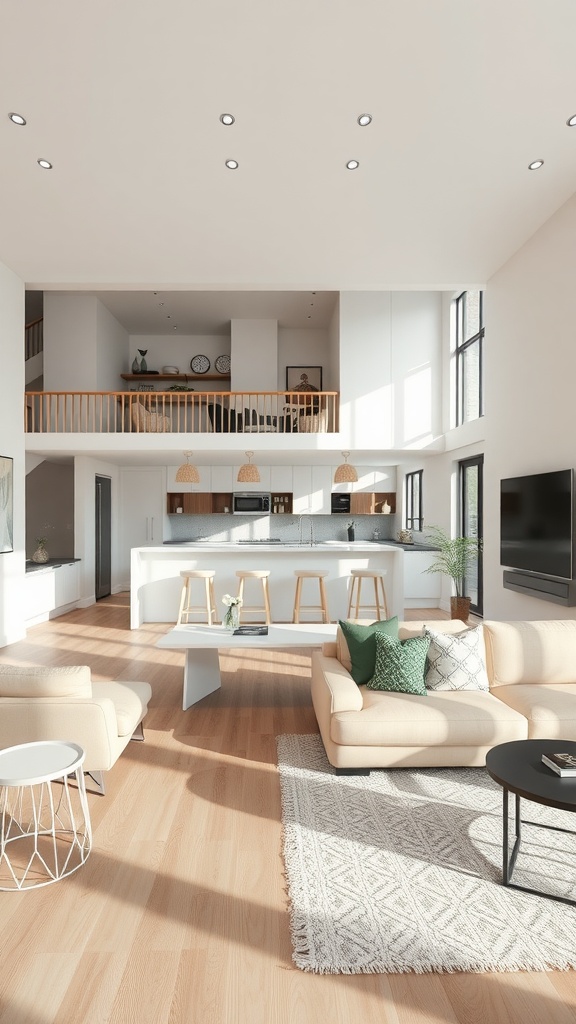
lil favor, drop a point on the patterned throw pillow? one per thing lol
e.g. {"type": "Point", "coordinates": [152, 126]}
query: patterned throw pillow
{"type": "Point", "coordinates": [361, 642]}
{"type": "Point", "coordinates": [400, 664]}
{"type": "Point", "coordinates": [456, 660]}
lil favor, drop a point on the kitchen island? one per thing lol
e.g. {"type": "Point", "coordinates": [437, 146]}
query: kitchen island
{"type": "Point", "coordinates": [155, 583]}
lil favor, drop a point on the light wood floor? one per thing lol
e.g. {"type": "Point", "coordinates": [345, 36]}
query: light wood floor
{"type": "Point", "coordinates": [179, 916]}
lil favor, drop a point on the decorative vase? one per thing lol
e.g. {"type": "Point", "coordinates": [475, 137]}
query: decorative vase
{"type": "Point", "coordinates": [40, 555]}
{"type": "Point", "coordinates": [350, 533]}
{"type": "Point", "coordinates": [143, 363]}
{"type": "Point", "coordinates": [460, 608]}
{"type": "Point", "coordinates": [136, 365]}
{"type": "Point", "coordinates": [232, 618]}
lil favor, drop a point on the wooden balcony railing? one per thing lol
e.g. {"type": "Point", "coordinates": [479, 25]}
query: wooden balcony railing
{"type": "Point", "coordinates": [33, 338]}
{"type": "Point", "coordinates": [181, 412]}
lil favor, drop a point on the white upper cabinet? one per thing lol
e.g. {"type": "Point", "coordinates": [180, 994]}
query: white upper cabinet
{"type": "Point", "coordinates": [222, 480]}
{"type": "Point", "coordinates": [302, 489]}
{"type": "Point", "coordinates": [322, 477]}
{"type": "Point", "coordinates": [281, 479]}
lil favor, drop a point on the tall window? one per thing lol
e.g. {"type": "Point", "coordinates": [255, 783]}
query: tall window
{"type": "Point", "coordinates": [413, 504]}
{"type": "Point", "coordinates": [470, 472]}
{"type": "Point", "coordinates": [469, 345]}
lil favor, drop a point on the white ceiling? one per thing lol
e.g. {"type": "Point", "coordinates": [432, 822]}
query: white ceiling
{"type": "Point", "coordinates": [124, 99]}
{"type": "Point", "coordinates": [159, 312]}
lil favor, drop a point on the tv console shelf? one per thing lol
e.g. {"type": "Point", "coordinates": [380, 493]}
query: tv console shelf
{"type": "Point", "coordinates": [559, 591]}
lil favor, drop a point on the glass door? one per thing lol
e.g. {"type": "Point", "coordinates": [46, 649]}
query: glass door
{"type": "Point", "coordinates": [471, 522]}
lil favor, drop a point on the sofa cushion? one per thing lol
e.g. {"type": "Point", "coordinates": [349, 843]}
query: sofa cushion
{"type": "Point", "coordinates": [457, 661]}
{"type": "Point", "coordinates": [454, 718]}
{"type": "Point", "coordinates": [550, 708]}
{"type": "Point", "coordinates": [530, 652]}
{"type": "Point", "coordinates": [356, 645]}
{"type": "Point", "coordinates": [66, 681]}
{"type": "Point", "coordinates": [400, 664]}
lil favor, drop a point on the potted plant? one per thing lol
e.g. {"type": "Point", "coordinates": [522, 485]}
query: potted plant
{"type": "Point", "coordinates": [456, 558]}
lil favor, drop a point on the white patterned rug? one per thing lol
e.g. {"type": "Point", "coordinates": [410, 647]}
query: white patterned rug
{"type": "Point", "coordinates": [400, 871]}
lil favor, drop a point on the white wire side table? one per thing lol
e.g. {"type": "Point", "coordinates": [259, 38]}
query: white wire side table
{"type": "Point", "coordinates": [45, 830]}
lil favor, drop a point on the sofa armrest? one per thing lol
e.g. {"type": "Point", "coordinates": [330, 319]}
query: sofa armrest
{"type": "Point", "coordinates": [90, 722]}
{"type": "Point", "coordinates": [333, 685]}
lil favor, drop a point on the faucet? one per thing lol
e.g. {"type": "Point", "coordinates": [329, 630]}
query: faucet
{"type": "Point", "coordinates": [300, 518]}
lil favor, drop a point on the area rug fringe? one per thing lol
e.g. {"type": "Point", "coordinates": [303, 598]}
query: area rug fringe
{"type": "Point", "coordinates": [320, 812]}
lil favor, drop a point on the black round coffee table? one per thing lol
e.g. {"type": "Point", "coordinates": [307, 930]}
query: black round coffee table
{"type": "Point", "coordinates": [517, 767]}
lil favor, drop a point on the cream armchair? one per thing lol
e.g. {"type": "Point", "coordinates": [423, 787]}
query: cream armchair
{"type": "Point", "coordinates": [64, 704]}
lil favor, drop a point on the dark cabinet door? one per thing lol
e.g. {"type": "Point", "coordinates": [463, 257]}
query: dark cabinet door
{"type": "Point", "coordinates": [103, 583]}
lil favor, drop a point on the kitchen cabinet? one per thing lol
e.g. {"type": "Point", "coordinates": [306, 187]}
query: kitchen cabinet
{"type": "Point", "coordinates": [362, 503]}
{"type": "Point", "coordinates": [142, 503]}
{"type": "Point", "coordinates": [302, 489]}
{"type": "Point", "coordinates": [221, 479]}
{"type": "Point", "coordinates": [281, 479]}
{"type": "Point", "coordinates": [66, 584]}
{"type": "Point", "coordinates": [282, 503]}
{"type": "Point", "coordinates": [421, 588]}
{"type": "Point", "coordinates": [321, 492]}
{"type": "Point", "coordinates": [199, 502]}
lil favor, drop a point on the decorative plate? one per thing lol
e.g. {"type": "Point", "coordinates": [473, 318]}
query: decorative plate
{"type": "Point", "coordinates": [200, 364]}
{"type": "Point", "coordinates": [222, 364]}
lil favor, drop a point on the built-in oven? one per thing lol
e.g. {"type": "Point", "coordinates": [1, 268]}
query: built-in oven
{"type": "Point", "coordinates": [251, 503]}
{"type": "Point", "coordinates": [340, 502]}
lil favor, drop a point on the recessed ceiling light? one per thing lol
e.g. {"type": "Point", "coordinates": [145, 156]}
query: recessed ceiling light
{"type": "Point", "coordinates": [535, 165]}
{"type": "Point", "coordinates": [17, 118]}
{"type": "Point", "coordinates": [232, 164]}
{"type": "Point", "coordinates": [352, 165]}
{"type": "Point", "coordinates": [364, 119]}
{"type": "Point", "coordinates": [571, 122]}
{"type": "Point", "coordinates": [227, 118]}
{"type": "Point", "coordinates": [45, 164]}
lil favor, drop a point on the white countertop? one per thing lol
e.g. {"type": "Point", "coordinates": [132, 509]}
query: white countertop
{"type": "Point", "coordinates": [324, 546]}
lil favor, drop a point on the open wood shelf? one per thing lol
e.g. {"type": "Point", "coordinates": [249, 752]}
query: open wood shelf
{"type": "Point", "coordinates": [175, 376]}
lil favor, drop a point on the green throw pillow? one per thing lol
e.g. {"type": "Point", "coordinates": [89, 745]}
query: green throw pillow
{"type": "Point", "coordinates": [400, 664]}
{"type": "Point", "coordinates": [361, 642]}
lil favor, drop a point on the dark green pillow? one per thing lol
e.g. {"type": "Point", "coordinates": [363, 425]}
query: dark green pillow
{"type": "Point", "coordinates": [400, 664]}
{"type": "Point", "coordinates": [361, 642]}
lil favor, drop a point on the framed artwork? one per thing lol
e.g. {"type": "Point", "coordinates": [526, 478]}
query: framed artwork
{"type": "Point", "coordinates": [303, 378]}
{"type": "Point", "coordinates": [6, 504]}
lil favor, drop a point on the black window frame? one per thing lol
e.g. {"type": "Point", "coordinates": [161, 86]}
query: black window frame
{"type": "Point", "coordinates": [463, 466]}
{"type": "Point", "coordinates": [462, 346]}
{"type": "Point", "coordinates": [413, 521]}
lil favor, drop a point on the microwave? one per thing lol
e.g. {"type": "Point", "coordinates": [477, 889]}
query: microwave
{"type": "Point", "coordinates": [251, 503]}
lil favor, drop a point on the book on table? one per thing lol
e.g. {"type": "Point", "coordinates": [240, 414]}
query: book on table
{"type": "Point", "coordinates": [562, 764]}
{"type": "Point", "coordinates": [251, 631]}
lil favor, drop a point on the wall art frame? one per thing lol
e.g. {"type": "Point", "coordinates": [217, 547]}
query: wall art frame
{"type": "Point", "coordinates": [303, 378]}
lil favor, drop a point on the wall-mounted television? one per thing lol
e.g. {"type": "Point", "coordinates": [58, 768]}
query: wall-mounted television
{"type": "Point", "coordinates": [536, 523]}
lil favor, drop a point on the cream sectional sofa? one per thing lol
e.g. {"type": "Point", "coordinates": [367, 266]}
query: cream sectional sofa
{"type": "Point", "coordinates": [531, 668]}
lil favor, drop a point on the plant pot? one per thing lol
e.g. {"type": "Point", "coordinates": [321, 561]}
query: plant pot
{"type": "Point", "coordinates": [460, 608]}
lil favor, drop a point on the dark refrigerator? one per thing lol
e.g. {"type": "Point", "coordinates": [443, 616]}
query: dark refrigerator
{"type": "Point", "coordinates": [103, 537]}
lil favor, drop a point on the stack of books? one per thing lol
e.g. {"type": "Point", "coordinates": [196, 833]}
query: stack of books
{"type": "Point", "coordinates": [562, 764]}
{"type": "Point", "coordinates": [251, 631]}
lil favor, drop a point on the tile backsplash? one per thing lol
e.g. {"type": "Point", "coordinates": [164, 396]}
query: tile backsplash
{"type": "Point", "coordinates": [281, 527]}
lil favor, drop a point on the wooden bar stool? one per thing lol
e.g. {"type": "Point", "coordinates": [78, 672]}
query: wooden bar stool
{"type": "Point", "coordinates": [254, 574]}
{"type": "Point", "coordinates": [313, 574]}
{"type": "Point", "coordinates": [379, 605]}
{"type": "Point", "coordinates": [186, 607]}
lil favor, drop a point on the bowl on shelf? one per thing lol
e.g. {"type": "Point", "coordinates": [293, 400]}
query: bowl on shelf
{"type": "Point", "coordinates": [170, 369]}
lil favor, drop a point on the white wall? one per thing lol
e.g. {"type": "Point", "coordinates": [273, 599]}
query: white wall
{"type": "Point", "coordinates": [254, 354]}
{"type": "Point", "coordinates": [530, 375]}
{"type": "Point", "coordinates": [112, 346]}
{"type": "Point", "coordinates": [390, 368]}
{"type": "Point", "coordinates": [12, 446]}
{"type": "Point", "coordinates": [85, 348]}
{"type": "Point", "coordinates": [302, 348]}
{"type": "Point", "coordinates": [332, 376]}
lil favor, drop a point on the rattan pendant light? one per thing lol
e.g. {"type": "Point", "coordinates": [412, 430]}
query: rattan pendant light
{"type": "Point", "coordinates": [187, 473]}
{"type": "Point", "coordinates": [345, 473]}
{"type": "Point", "coordinates": [248, 473]}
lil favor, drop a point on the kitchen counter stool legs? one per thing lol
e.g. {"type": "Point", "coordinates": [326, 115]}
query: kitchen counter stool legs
{"type": "Point", "coordinates": [380, 605]}
{"type": "Point", "coordinates": [186, 607]}
{"type": "Point", "coordinates": [254, 574]}
{"type": "Point", "coordinates": [314, 574]}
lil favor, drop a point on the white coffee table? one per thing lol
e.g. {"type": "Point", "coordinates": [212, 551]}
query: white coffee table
{"type": "Point", "coordinates": [201, 643]}
{"type": "Point", "coordinates": [45, 831]}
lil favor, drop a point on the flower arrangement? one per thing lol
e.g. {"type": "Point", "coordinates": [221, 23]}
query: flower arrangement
{"type": "Point", "coordinates": [351, 524]}
{"type": "Point", "coordinates": [232, 615]}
